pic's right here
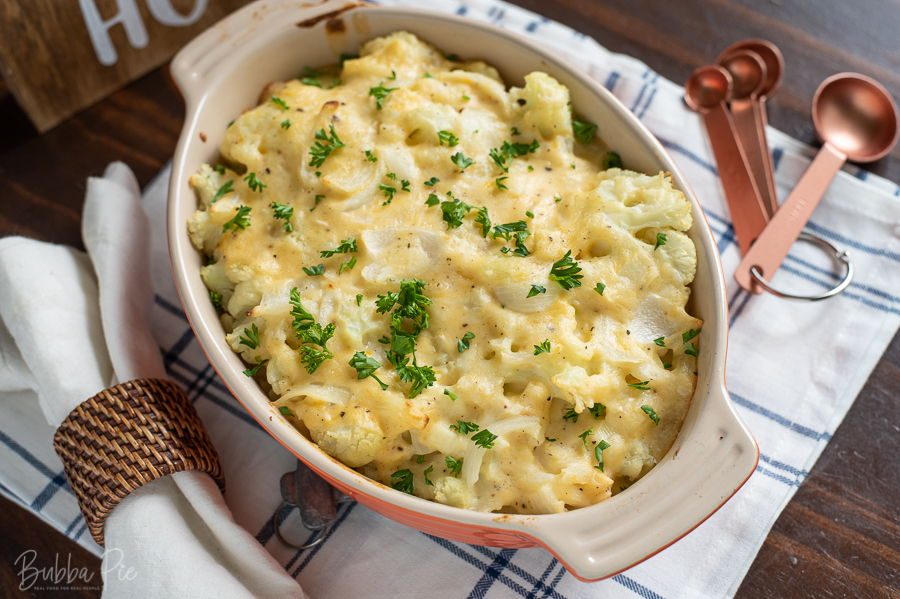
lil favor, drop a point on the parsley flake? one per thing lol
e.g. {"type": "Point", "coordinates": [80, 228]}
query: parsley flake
{"type": "Point", "coordinates": [402, 480]}
{"type": "Point", "coordinates": [529, 214]}
{"type": "Point", "coordinates": [370, 156]}
{"type": "Point", "coordinates": [347, 265]}
{"type": "Point", "coordinates": [431, 182]}
{"type": "Point", "coordinates": [598, 453]}
{"type": "Point", "coordinates": [250, 338]}
{"type": "Point", "coordinates": [366, 367]}
{"type": "Point", "coordinates": [597, 409]}
{"type": "Point", "coordinates": [463, 344]}
{"type": "Point", "coordinates": [583, 436]}
{"type": "Point", "coordinates": [433, 200]}
{"type": "Point", "coordinates": [565, 272]}
{"type": "Point", "coordinates": [216, 298]}
{"type": "Point", "coordinates": [651, 413]}
{"type": "Point", "coordinates": [660, 240]}
{"type": "Point", "coordinates": [571, 414]}
{"type": "Point", "coordinates": [584, 131]}
{"type": "Point", "coordinates": [464, 428]}
{"type": "Point", "coordinates": [286, 124]}
{"type": "Point", "coordinates": [543, 348]}
{"type": "Point", "coordinates": [285, 410]}
{"type": "Point", "coordinates": [641, 386]}
{"type": "Point", "coordinates": [347, 246]}
{"type": "Point", "coordinates": [259, 364]}
{"type": "Point", "coordinates": [324, 146]}
{"type": "Point", "coordinates": [359, 299]}
{"type": "Point", "coordinates": [483, 219]}
{"type": "Point", "coordinates": [599, 288]}
{"type": "Point", "coordinates": [484, 439]}
{"type": "Point", "coordinates": [686, 338]}
{"type": "Point", "coordinates": [240, 221]}
{"type": "Point", "coordinates": [380, 93]}
{"type": "Point", "coordinates": [280, 103]}
{"type": "Point", "coordinates": [428, 470]}
{"type": "Point", "coordinates": [447, 136]}
{"type": "Point", "coordinates": [454, 212]}
{"type": "Point", "coordinates": [549, 440]}
{"type": "Point", "coordinates": [450, 394]}
{"type": "Point", "coordinates": [318, 198]}
{"type": "Point", "coordinates": [310, 333]}
{"type": "Point", "coordinates": [388, 192]}
{"type": "Point", "coordinates": [514, 131]}
{"type": "Point", "coordinates": [227, 188]}
{"type": "Point", "coordinates": [254, 183]}
{"type": "Point", "coordinates": [660, 341]}
{"type": "Point", "coordinates": [455, 466]}
{"type": "Point", "coordinates": [536, 289]}
{"type": "Point", "coordinates": [460, 160]}
{"type": "Point", "coordinates": [503, 157]}
{"type": "Point", "coordinates": [612, 160]}
{"type": "Point", "coordinates": [499, 183]}
{"type": "Point", "coordinates": [314, 271]}
{"type": "Point", "coordinates": [285, 213]}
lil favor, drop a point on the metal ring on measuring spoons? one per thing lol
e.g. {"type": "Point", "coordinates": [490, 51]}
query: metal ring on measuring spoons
{"type": "Point", "coordinates": [841, 256]}
{"type": "Point", "coordinates": [318, 537]}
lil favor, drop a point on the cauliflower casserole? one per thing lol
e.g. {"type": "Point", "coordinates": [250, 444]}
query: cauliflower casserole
{"type": "Point", "coordinates": [450, 286]}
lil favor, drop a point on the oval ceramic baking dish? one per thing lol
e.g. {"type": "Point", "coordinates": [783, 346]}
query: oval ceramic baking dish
{"type": "Point", "coordinates": [222, 72]}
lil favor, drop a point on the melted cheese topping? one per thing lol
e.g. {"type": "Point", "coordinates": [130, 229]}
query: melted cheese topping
{"type": "Point", "coordinates": [615, 358]}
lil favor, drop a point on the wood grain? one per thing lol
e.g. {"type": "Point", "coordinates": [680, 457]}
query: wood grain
{"type": "Point", "coordinates": [49, 61]}
{"type": "Point", "coordinates": [840, 534]}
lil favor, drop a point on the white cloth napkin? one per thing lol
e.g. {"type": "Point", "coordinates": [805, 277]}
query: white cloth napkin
{"type": "Point", "coordinates": [793, 370]}
{"type": "Point", "coordinates": [76, 323]}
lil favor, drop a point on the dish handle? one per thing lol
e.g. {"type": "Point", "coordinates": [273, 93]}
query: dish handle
{"type": "Point", "coordinates": [195, 63]}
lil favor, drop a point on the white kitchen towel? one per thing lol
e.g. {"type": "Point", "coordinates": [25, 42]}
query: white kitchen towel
{"type": "Point", "coordinates": [794, 369]}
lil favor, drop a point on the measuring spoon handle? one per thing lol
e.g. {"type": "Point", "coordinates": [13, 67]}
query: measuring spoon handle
{"type": "Point", "coordinates": [751, 132]}
{"type": "Point", "coordinates": [747, 213]}
{"type": "Point", "coordinates": [776, 240]}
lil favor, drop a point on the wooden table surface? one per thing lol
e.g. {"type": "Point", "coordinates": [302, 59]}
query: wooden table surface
{"type": "Point", "coordinates": [840, 534]}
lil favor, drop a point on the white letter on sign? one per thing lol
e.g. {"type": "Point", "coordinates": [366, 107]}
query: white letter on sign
{"type": "Point", "coordinates": [165, 13]}
{"type": "Point", "coordinates": [130, 18]}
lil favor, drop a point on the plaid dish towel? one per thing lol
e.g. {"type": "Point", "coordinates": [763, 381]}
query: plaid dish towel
{"type": "Point", "coordinates": [812, 375]}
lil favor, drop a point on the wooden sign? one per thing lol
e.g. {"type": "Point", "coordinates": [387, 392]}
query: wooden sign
{"type": "Point", "coordinates": [60, 56]}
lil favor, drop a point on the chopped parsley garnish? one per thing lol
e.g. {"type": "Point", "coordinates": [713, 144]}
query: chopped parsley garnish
{"type": "Point", "coordinates": [641, 386]}
{"type": "Point", "coordinates": [319, 198]}
{"type": "Point", "coordinates": [583, 436]}
{"type": "Point", "coordinates": [431, 182]}
{"type": "Point", "coordinates": [411, 304]}
{"type": "Point", "coordinates": [310, 332]}
{"type": "Point", "coordinates": [380, 93]}
{"type": "Point", "coordinates": [250, 338]}
{"type": "Point", "coordinates": [420, 459]}
{"type": "Point", "coordinates": [597, 409]}
{"type": "Point", "coordinates": [543, 348]}
{"type": "Point", "coordinates": [549, 440]}
{"type": "Point", "coordinates": [230, 123]}
{"type": "Point", "coordinates": [254, 183]}
{"type": "Point", "coordinates": [660, 341]}
{"type": "Point", "coordinates": [345, 57]}
{"type": "Point", "coordinates": [665, 364]}
{"type": "Point", "coordinates": [530, 169]}
{"type": "Point", "coordinates": [460, 160]}
{"type": "Point", "coordinates": [402, 480]}
{"type": "Point", "coordinates": [259, 364]}
{"type": "Point", "coordinates": [565, 272]}
{"type": "Point", "coordinates": [686, 338]}
{"type": "Point", "coordinates": [453, 57]}
{"type": "Point", "coordinates": [514, 131]}
{"type": "Point", "coordinates": [388, 192]}
{"type": "Point", "coordinates": [454, 212]}
{"type": "Point", "coordinates": [240, 221]}
{"type": "Point", "coordinates": [651, 413]}
{"type": "Point", "coordinates": [464, 428]}
{"type": "Point", "coordinates": [286, 124]}
{"type": "Point", "coordinates": [347, 246]}
{"type": "Point", "coordinates": [393, 76]}
{"type": "Point", "coordinates": [503, 157]}
{"type": "Point", "coordinates": [483, 219]}
{"type": "Point", "coordinates": [446, 136]}
{"type": "Point", "coordinates": [499, 183]}
{"type": "Point", "coordinates": [312, 78]}
{"type": "Point", "coordinates": [598, 453]}
{"type": "Point", "coordinates": [404, 185]}
{"type": "Point", "coordinates": [612, 160]}
{"type": "Point", "coordinates": [484, 439]}
{"type": "Point", "coordinates": [366, 367]}
{"type": "Point", "coordinates": [427, 75]}
{"type": "Point", "coordinates": [599, 288]}
{"type": "Point", "coordinates": [557, 198]}
{"type": "Point", "coordinates": [584, 131]}
{"type": "Point", "coordinates": [428, 470]}
{"type": "Point", "coordinates": [571, 414]}
{"type": "Point", "coordinates": [219, 168]}
{"type": "Point", "coordinates": [285, 410]}
{"type": "Point", "coordinates": [660, 240]}
{"type": "Point", "coordinates": [314, 271]}
{"type": "Point", "coordinates": [370, 156]}
{"type": "Point", "coordinates": [227, 188]}
{"type": "Point", "coordinates": [285, 213]}
{"type": "Point", "coordinates": [392, 176]}
{"type": "Point", "coordinates": [433, 200]}
{"type": "Point", "coordinates": [216, 298]}
{"type": "Point", "coordinates": [536, 289]}
{"type": "Point", "coordinates": [280, 103]}
{"type": "Point", "coordinates": [421, 377]}
{"type": "Point", "coordinates": [467, 98]}
{"type": "Point", "coordinates": [335, 84]}
{"type": "Point", "coordinates": [359, 299]}
{"type": "Point", "coordinates": [347, 265]}
{"type": "Point", "coordinates": [507, 230]}
{"type": "Point", "coordinates": [463, 344]}
{"type": "Point", "coordinates": [454, 466]}
{"type": "Point", "coordinates": [325, 145]}
{"type": "Point", "coordinates": [529, 214]}
{"type": "Point", "coordinates": [450, 394]}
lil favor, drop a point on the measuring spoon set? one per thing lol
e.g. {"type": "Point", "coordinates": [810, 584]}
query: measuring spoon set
{"type": "Point", "coordinates": [854, 115]}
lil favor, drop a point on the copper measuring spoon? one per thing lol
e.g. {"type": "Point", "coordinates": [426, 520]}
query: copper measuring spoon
{"type": "Point", "coordinates": [706, 91]}
{"type": "Point", "coordinates": [761, 164]}
{"type": "Point", "coordinates": [857, 119]}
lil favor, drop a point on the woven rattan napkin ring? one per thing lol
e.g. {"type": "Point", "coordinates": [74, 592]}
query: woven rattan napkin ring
{"type": "Point", "coordinates": [127, 436]}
